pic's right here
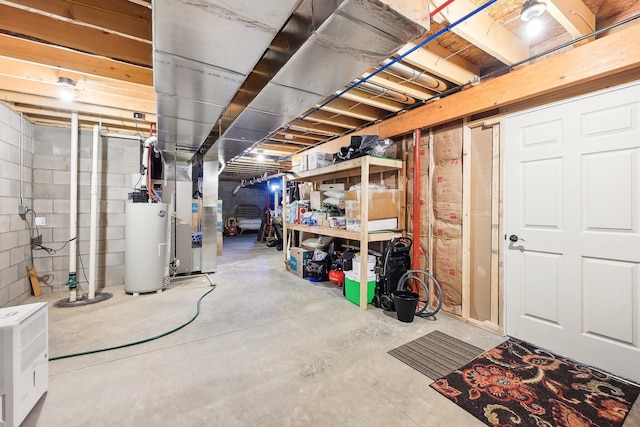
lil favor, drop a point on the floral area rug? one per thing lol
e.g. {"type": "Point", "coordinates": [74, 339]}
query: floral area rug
{"type": "Point", "coordinates": [518, 384]}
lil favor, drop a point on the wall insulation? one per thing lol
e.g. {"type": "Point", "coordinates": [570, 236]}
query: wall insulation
{"type": "Point", "coordinates": [447, 212]}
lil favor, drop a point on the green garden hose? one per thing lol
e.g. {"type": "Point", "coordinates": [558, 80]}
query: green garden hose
{"type": "Point", "coordinates": [164, 334]}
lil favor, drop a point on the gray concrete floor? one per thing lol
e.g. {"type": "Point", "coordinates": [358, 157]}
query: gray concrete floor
{"type": "Point", "coordinates": [268, 349]}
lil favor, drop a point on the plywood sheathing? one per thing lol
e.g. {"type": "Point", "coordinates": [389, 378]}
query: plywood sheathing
{"type": "Point", "coordinates": [447, 212]}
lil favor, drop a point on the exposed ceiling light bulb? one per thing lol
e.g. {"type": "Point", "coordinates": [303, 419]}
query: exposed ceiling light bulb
{"type": "Point", "coordinates": [66, 89]}
{"type": "Point", "coordinates": [532, 9]}
{"type": "Point", "coordinates": [260, 156]}
{"type": "Point", "coordinates": [534, 27]}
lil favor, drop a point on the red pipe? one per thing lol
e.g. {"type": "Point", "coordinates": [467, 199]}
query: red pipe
{"type": "Point", "coordinates": [415, 262]}
{"type": "Point", "coordinates": [439, 8]}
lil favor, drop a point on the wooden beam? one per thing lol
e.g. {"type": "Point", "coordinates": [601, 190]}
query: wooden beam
{"type": "Point", "coordinates": [75, 37]}
{"type": "Point", "coordinates": [67, 59]}
{"type": "Point", "coordinates": [58, 105]}
{"type": "Point", "coordinates": [561, 72]}
{"type": "Point", "coordinates": [46, 74]}
{"type": "Point", "coordinates": [354, 109]}
{"type": "Point", "coordinates": [438, 61]}
{"type": "Point", "coordinates": [115, 16]}
{"type": "Point", "coordinates": [573, 15]}
{"type": "Point", "coordinates": [32, 112]}
{"type": "Point", "coordinates": [377, 101]}
{"type": "Point", "coordinates": [482, 31]}
{"type": "Point", "coordinates": [335, 119]}
{"type": "Point", "coordinates": [318, 128]}
{"type": "Point", "coordinates": [401, 85]}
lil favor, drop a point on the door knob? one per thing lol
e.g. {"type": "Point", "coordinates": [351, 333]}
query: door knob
{"type": "Point", "coordinates": [515, 238]}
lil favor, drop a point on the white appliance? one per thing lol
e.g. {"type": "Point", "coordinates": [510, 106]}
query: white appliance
{"type": "Point", "coordinates": [146, 263]}
{"type": "Point", "coordinates": [24, 360]}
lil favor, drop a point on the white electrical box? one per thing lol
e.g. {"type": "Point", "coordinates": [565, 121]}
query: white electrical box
{"type": "Point", "coordinates": [24, 360]}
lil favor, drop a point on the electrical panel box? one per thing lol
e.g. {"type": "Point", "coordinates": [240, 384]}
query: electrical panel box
{"type": "Point", "coordinates": [24, 360]}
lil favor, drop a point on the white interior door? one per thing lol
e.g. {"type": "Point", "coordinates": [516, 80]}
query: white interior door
{"type": "Point", "coordinates": [573, 202]}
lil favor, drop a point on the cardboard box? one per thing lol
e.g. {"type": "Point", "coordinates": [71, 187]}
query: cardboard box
{"type": "Point", "coordinates": [299, 164]}
{"type": "Point", "coordinates": [316, 200]}
{"type": "Point", "coordinates": [297, 261]}
{"type": "Point", "coordinates": [319, 160]}
{"type": "Point", "coordinates": [383, 204]}
{"type": "Point", "coordinates": [373, 225]}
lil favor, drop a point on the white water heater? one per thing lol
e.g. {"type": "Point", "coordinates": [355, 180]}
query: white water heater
{"type": "Point", "coordinates": [146, 262]}
{"type": "Point", "coordinates": [24, 360]}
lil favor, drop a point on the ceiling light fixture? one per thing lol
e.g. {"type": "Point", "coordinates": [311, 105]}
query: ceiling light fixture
{"type": "Point", "coordinates": [531, 11]}
{"type": "Point", "coordinates": [260, 156]}
{"type": "Point", "coordinates": [66, 89]}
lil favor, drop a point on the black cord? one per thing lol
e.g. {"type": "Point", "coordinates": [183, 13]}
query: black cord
{"type": "Point", "coordinates": [51, 251]}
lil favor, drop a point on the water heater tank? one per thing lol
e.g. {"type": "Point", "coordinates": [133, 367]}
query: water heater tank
{"type": "Point", "coordinates": [146, 259]}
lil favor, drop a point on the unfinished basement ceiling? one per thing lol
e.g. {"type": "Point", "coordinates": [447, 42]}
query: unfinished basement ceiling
{"type": "Point", "coordinates": [106, 48]}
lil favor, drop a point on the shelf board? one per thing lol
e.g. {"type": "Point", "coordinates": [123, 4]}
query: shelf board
{"type": "Point", "coordinates": [374, 236]}
{"type": "Point", "coordinates": [348, 168]}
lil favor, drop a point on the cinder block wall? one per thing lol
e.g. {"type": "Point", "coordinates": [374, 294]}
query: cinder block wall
{"type": "Point", "coordinates": [14, 233]}
{"type": "Point", "coordinates": [117, 161]}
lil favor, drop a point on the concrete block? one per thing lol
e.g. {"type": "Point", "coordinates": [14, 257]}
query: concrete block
{"type": "Point", "coordinates": [62, 147]}
{"type": "Point", "coordinates": [24, 239]}
{"type": "Point", "coordinates": [4, 296]}
{"type": "Point", "coordinates": [11, 136]}
{"type": "Point", "coordinates": [60, 234]}
{"type": "Point", "coordinates": [114, 153]}
{"type": "Point", "coordinates": [57, 220]}
{"type": "Point", "coordinates": [116, 180]}
{"type": "Point", "coordinates": [14, 155]}
{"type": "Point", "coordinates": [43, 263]}
{"type": "Point", "coordinates": [15, 120]}
{"type": "Point", "coordinates": [5, 115]}
{"type": "Point", "coordinates": [61, 177]}
{"type": "Point", "coordinates": [41, 161]}
{"type": "Point", "coordinates": [5, 151]}
{"type": "Point", "coordinates": [116, 193]}
{"type": "Point", "coordinates": [5, 259]}
{"type": "Point", "coordinates": [8, 240]}
{"type": "Point", "coordinates": [9, 170]}
{"type": "Point", "coordinates": [5, 221]}
{"type": "Point", "coordinates": [19, 289]}
{"type": "Point", "coordinates": [60, 263]}
{"type": "Point", "coordinates": [115, 206]}
{"type": "Point", "coordinates": [117, 220]}
{"type": "Point", "coordinates": [51, 191]}
{"type": "Point", "coordinates": [111, 259]}
{"type": "Point", "coordinates": [8, 204]}
{"type": "Point", "coordinates": [17, 224]}
{"type": "Point", "coordinates": [114, 232]}
{"type": "Point", "coordinates": [62, 206]}
{"type": "Point", "coordinates": [42, 176]}
{"type": "Point", "coordinates": [19, 256]}
{"type": "Point", "coordinates": [115, 245]}
{"type": "Point", "coordinates": [9, 275]}
{"type": "Point", "coordinates": [43, 206]}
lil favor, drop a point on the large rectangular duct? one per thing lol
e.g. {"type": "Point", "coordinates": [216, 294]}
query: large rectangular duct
{"type": "Point", "coordinates": [203, 52]}
{"type": "Point", "coordinates": [357, 36]}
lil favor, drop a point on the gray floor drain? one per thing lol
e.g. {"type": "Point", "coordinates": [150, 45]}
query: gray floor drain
{"type": "Point", "coordinates": [100, 296]}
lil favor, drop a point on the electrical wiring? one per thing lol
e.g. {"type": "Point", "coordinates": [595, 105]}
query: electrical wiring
{"type": "Point", "coordinates": [51, 251]}
{"type": "Point", "coordinates": [142, 341]}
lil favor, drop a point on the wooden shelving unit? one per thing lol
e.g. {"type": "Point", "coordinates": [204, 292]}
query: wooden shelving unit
{"type": "Point", "coordinates": [363, 167]}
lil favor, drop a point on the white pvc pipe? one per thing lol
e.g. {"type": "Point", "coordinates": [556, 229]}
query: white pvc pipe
{"type": "Point", "coordinates": [93, 234]}
{"type": "Point", "coordinates": [73, 205]}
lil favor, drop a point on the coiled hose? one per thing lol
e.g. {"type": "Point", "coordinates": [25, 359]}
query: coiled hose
{"type": "Point", "coordinates": [419, 276]}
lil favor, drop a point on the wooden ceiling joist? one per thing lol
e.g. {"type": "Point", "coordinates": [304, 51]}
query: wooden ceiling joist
{"type": "Point", "coordinates": [115, 16]}
{"type": "Point", "coordinates": [58, 105]}
{"type": "Point", "coordinates": [74, 36]}
{"type": "Point", "coordinates": [354, 109]}
{"type": "Point", "coordinates": [335, 119]}
{"type": "Point", "coordinates": [573, 15]}
{"type": "Point", "coordinates": [67, 59]}
{"type": "Point", "coordinates": [482, 31]}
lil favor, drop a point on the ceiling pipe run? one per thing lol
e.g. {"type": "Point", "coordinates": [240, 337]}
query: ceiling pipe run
{"type": "Point", "coordinates": [387, 93]}
{"type": "Point", "coordinates": [257, 180]}
{"type": "Point", "coordinates": [415, 76]}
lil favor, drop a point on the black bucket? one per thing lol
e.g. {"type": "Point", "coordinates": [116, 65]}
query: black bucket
{"type": "Point", "coordinates": [406, 303]}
